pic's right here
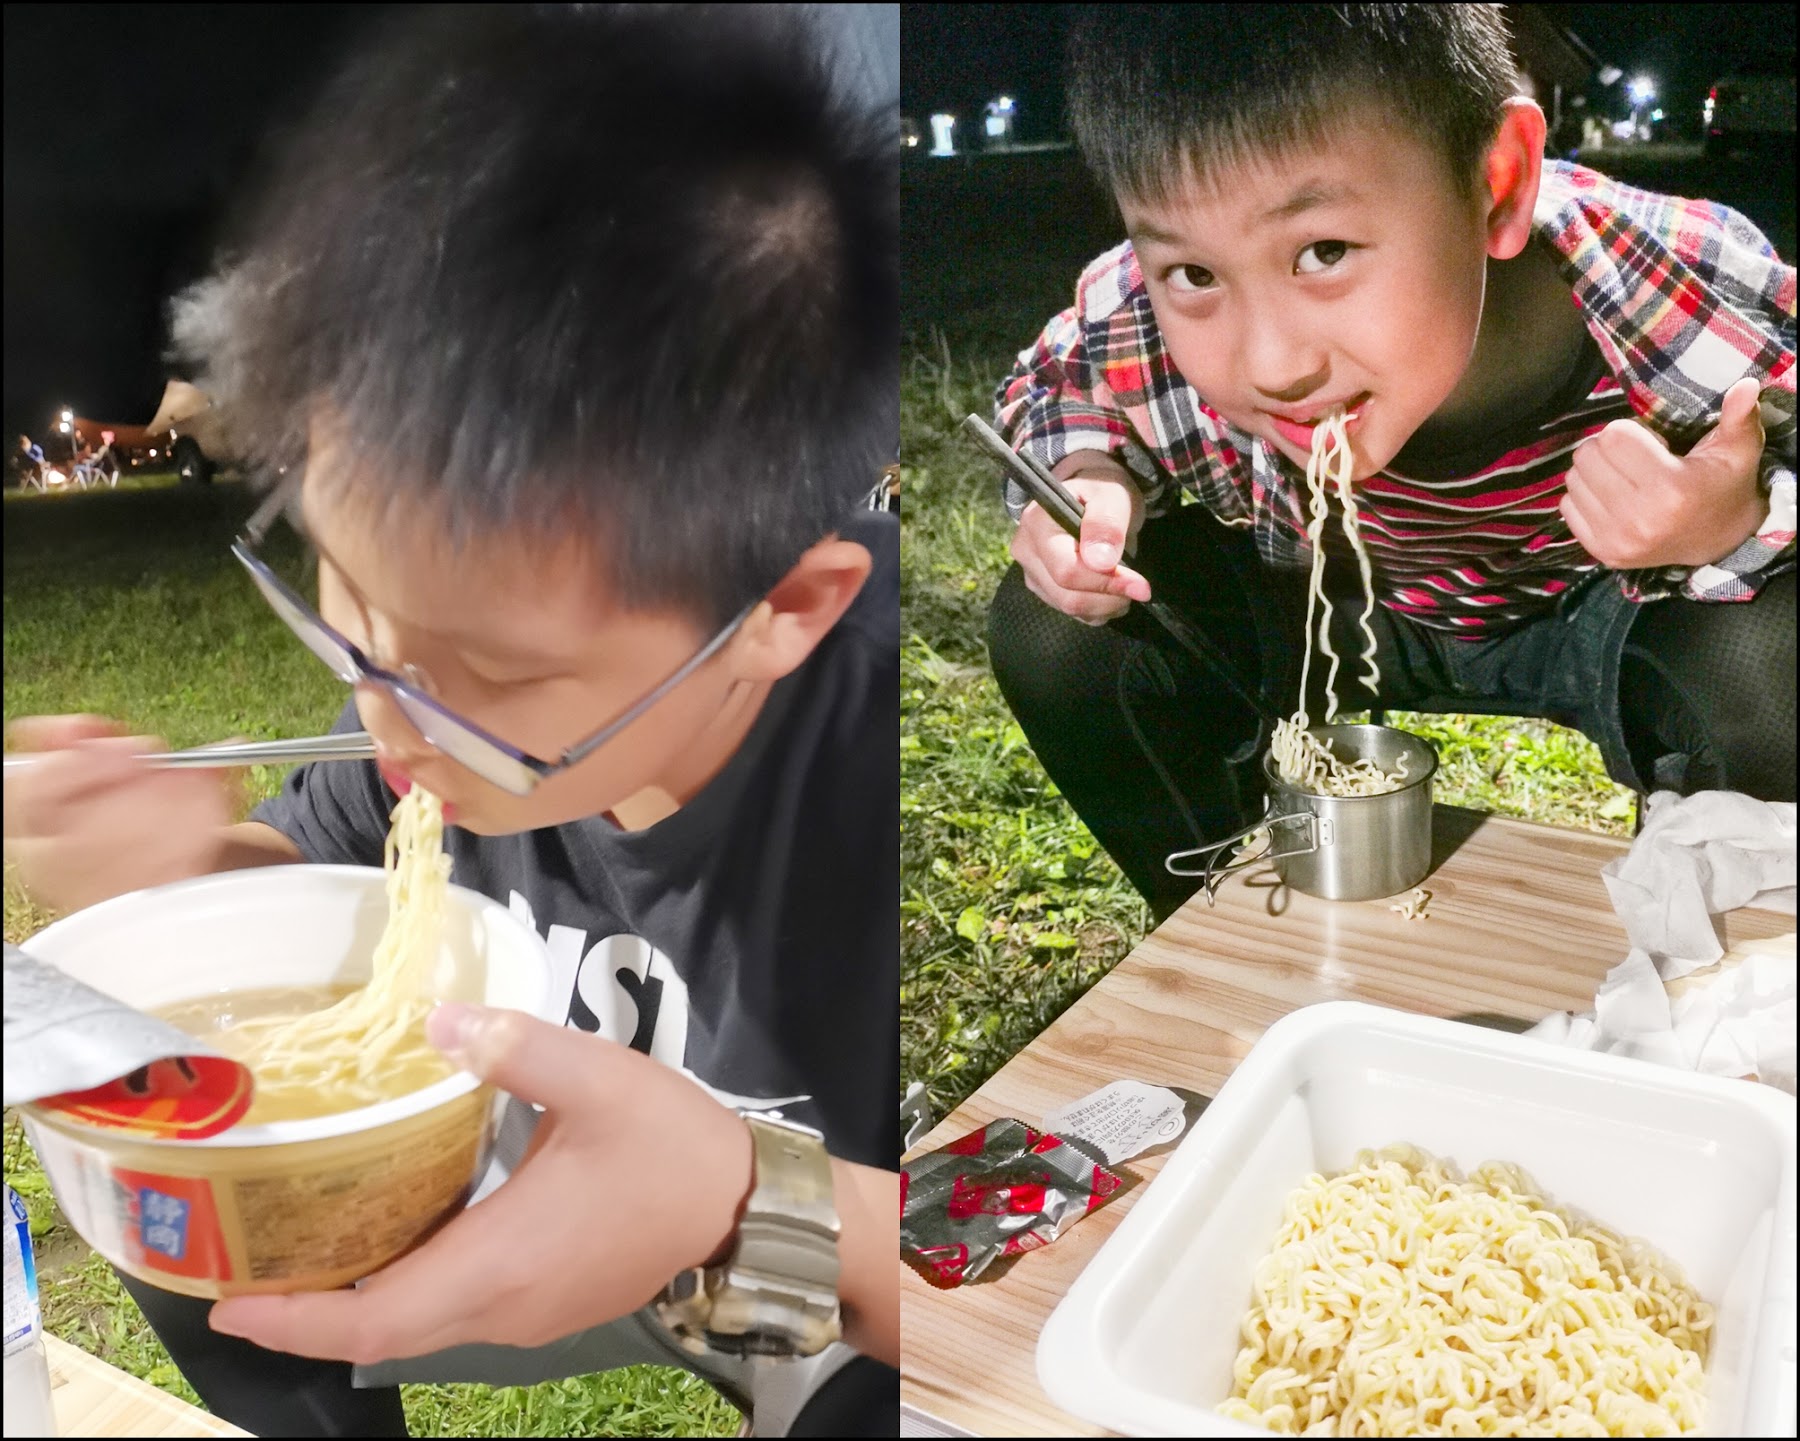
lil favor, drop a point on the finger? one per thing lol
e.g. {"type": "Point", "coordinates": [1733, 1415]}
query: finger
{"type": "Point", "coordinates": [448, 1292]}
{"type": "Point", "coordinates": [56, 732]}
{"type": "Point", "coordinates": [568, 1071]}
{"type": "Point", "coordinates": [422, 1303]}
{"type": "Point", "coordinates": [1090, 607]}
{"type": "Point", "coordinates": [1128, 583]}
{"type": "Point", "coordinates": [1627, 455]}
{"type": "Point", "coordinates": [1105, 524]}
{"type": "Point", "coordinates": [1739, 409]}
{"type": "Point", "coordinates": [1063, 565]}
{"type": "Point", "coordinates": [1580, 526]}
{"type": "Point", "coordinates": [54, 788]}
{"type": "Point", "coordinates": [1739, 427]}
{"type": "Point", "coordinates": [1048, 554]}
{"type": "Point", "coordinates": [1043, 548]}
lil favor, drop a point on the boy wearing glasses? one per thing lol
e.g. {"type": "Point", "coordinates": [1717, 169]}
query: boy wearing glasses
{"type": "Point", "coordinates": [572, 335]}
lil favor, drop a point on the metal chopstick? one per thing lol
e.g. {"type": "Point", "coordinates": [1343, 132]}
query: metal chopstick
{"type": "Point", "coordinates": [1065, 509]}
{"type": "Point", "coordinates": [352, 746]}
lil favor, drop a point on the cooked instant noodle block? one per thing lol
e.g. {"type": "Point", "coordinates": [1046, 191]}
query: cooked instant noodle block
{"type": "Point", "coordinates": [1402, 1300]}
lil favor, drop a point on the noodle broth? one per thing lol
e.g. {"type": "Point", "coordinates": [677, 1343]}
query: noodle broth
{"type": "Point", "coordinates": [215, 1019]}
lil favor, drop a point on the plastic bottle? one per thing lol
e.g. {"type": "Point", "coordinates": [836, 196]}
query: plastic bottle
{"type": "Point", "coordinates": [27, 1382]}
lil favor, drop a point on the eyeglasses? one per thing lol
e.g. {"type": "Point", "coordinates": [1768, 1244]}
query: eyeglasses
{"type": "Point", "coordinates": [461, 739]}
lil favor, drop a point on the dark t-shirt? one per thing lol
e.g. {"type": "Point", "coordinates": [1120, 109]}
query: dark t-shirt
{"type": "Point", "coordinates": [752, 937]}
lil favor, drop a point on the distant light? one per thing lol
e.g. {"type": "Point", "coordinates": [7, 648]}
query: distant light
{"type": "Point", "coordinates": [1642, 89]}
{"type": "Point", "coordinates": [1609, 74]}
{"type": "Point", "coordinates": [153, 452]}
{"type": "Point", "coordinates": [1623, 129]}
{"type": "Point", "coordinates": [910, 141]}
{"type": "Point", "coordinates": [1656, 114]}
{"type": "Point", "coordinates": [1006, 104]}
{"type": "Point", "coordinates": [67, 414]}
{"type": "Point", "coordinates": [996, 125]}
{"type": "Point", "coordinates": [56, 477]}
{"type": "Point", "coordinates": [943, 134]}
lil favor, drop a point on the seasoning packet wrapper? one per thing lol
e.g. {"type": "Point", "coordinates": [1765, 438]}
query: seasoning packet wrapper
{"type": "Point", "coordinates": [1127, 1118]}
{"type": "Point", "coordinates": [76, 1051]}
{"type": "Point", "coordinates": [999, 1191]}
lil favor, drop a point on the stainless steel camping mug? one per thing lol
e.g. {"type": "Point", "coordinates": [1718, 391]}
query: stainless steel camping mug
{"type": "Point", "coordinates": [1340, 848]}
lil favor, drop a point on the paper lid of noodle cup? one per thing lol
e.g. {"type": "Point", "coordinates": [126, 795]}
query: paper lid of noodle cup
{"type": "Point", "coordinates": [77, 1052]}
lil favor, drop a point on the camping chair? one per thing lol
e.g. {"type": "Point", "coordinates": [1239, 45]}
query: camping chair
{"type": "Point", "coordinates": [100, 468]}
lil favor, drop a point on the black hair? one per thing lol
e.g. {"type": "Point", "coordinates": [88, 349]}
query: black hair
{"type": "Point", "coordinates": [1164, 95]}
{"type": "Point", "coordinates": [630, 268]}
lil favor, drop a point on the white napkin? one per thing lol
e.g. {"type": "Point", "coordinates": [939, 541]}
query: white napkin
{"type": "Point", "coordinates": [1698, 857]}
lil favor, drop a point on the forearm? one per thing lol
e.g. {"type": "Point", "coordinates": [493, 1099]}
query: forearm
{"type": "Point", "coordinates": [252, 843]}
{"type": "Point", "coordinates": [868, 1206]}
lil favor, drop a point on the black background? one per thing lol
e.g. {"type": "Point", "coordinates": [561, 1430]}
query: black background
{"type": "Point", "coordinates": [128, 131]}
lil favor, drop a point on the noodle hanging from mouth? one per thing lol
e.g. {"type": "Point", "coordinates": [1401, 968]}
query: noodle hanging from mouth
{"type": "Point", "coordinates": [1301, 758]}
{"type": "Point", "coordinates": [351, 1053]}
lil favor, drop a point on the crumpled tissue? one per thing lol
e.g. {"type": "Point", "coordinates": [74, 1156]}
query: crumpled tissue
{"type": "Point", "coordinates": [1696, 858]}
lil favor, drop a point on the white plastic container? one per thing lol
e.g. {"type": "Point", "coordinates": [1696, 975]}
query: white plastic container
{"type": "Point", "coordinates": [1701, 1168]}
{"type": "Point", "coordinates": [291, 1205]}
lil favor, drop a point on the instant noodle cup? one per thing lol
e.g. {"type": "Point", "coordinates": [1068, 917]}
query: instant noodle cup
{"type": "Point", "coordinates": [291, 1205]}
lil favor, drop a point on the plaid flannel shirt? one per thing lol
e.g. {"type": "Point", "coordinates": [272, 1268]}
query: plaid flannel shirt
{"type": "Point", "coordinates": [1683, 297]}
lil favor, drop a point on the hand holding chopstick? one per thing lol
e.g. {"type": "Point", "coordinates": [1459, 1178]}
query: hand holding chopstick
{"type": "Point", "coordinates": [92, 812]}
{"type": "Point", "coordinates": [1066, 510]}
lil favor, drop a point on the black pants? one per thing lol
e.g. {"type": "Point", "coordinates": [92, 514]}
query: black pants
{"type": "Point", "coordinates": [1157, 756]}
{"type": "Point", "coordinates": [270, 1393]}
{"type": "Point", "coordinates": [267, 1393]}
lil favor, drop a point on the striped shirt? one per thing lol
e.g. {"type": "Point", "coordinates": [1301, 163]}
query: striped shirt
{"type": "Point", "coordinates": [1681, 298]}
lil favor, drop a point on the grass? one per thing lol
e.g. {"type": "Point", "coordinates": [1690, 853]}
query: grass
{"type": "Point", "coordinates": [1009, 909]}
{"type": "Point", "coordinates": [127, 603]}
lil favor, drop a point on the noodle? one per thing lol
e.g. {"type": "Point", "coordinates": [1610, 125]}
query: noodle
{"type": "Point", "coordinates": [350, 1053]}
{"type": "Point", "coordinates": [1301, 758]}
{"type": "Point", "coordinates": [1413, 908]}
{"type": "Point", "coordinates": [1402, 1300]}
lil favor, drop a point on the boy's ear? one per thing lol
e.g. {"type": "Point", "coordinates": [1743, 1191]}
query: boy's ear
{"type": "Point", "coordinates": [1514, 166]}
{"type": "Point", "coordinates": [802, 608]}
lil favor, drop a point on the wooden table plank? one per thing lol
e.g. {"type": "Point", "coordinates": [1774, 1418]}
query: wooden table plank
{"type": "Point", "coordinates": [92, 1398]}
{"type": "Point", "coordinates": [1520, 926]}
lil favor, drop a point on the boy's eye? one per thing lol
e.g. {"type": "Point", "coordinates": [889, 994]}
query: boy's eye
{"type": "Point", "coordinates": [1187, 279]}
{"type": "Point", "coordinates": [1327, 252]}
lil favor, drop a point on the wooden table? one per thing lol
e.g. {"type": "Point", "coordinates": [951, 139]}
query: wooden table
{"type": "Point", "coordinates": [91, 1398]}
{"type": "Point", "coordinates": [1520, 926]}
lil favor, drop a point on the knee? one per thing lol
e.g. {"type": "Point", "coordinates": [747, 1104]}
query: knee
{"type": "Point", "coordinates": [1043, 660]}
{"type": "Point", "coordinates": [1755, 725]}
{"type": "Point", "coordinates": [1016, 622]}
{"type": "Point", "coordinates": [1707, 694]}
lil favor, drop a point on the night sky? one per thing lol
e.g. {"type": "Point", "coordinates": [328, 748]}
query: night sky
{"type": "Point", "coordinates": [958, 57]}
{"type": "Point", "coordinates": [128, 130]}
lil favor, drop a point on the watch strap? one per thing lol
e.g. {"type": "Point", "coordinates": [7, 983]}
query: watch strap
{"type": "Point", "coordinates": [776, 1294]}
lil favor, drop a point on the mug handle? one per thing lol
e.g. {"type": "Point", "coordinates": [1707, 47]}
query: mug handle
{"type": "Point", "coordinates": [1317, 833]}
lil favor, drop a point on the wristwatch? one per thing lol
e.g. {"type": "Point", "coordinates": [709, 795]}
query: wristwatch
{"type": "Point", "coordinates": [776, 1293]}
